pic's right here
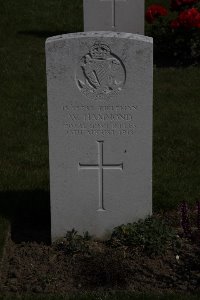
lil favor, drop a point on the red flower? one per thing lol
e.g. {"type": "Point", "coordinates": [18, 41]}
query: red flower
{"type": "Point", "coordinates": [175, 24]}
{"type": "Point", "coordinates": [187, 19]}
{"type": "Point", "coordinates": [177, 4]}
{"type": "Point", "coordinates": [154, 11]}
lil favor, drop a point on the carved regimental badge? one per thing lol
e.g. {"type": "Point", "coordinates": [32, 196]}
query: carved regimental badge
{"type": "Point", "coordinates": [100, 73]}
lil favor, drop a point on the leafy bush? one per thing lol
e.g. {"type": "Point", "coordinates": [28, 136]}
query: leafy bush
{"type": "Point", "coordinates": [151, 235]}
{"type": "Point", "coordinates": [176, 31]}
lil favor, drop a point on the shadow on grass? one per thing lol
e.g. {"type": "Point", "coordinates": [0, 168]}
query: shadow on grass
{"type": "Point", "coordinates": [29, 215]}
{"type": "Point", "coordinates": [43, 34]}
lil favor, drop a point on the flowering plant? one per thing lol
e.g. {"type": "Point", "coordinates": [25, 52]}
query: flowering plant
{"type": "Point", "coordinates": [178, 28]}
{"type": "Point", "coordinates": [155, 11]}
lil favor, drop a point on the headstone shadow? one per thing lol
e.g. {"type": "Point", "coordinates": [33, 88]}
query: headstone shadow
{"type": "Point", "coordinates": [29, 215]}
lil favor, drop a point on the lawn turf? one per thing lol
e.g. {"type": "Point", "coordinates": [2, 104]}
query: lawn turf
{"type": "Point", "coordinates": [176, 155]}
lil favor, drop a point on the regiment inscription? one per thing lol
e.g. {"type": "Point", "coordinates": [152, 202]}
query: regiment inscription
{"type": "Point", "coordinates": [105, 120]}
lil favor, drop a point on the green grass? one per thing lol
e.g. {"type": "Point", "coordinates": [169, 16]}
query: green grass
{"type": "Point", "coordinates": [24, 170]}
{"type": "Point", "coordinates": [165, 3]}
{"type": "Point", "coordinates": [176, 175]}
{"type": "Point", "coordinates": [24, 144]}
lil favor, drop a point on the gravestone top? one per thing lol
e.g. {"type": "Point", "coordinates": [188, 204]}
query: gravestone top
{"type": "Point", "coordinates": [100, 130]}
{"type": "Point", "coordinates": [102, 34]}
{"type": "Point", "coordinates": [115, 15]}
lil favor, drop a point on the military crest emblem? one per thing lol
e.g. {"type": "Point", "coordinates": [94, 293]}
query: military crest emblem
{"type": "Point", "coordinates": [100, 73]}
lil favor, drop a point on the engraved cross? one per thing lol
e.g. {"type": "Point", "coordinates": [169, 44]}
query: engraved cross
{"type": "Point", "coordinates": [113, 10]}
{"type": "Point", "coordinates": [100, 166]}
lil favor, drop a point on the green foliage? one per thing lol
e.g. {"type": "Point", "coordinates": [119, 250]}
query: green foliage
{"type": "Point", "coordinates": [73, 243]}
{"type": "Point", "coordinates": [152, 235]}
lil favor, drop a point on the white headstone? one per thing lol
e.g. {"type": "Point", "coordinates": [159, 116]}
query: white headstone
{"type": "Point", "coordinates": [100, 130]}
{"type": "Point", "coordinates": [114, 15]}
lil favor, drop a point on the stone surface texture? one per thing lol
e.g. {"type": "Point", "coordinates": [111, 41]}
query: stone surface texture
{"type": "Point", "coordinates": [114, 15]}
{"type": "Point", "coordinates": [100, 130]}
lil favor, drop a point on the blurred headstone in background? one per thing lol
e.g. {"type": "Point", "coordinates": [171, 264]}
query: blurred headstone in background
{"type": "Point", "coordinates": [114, 15]}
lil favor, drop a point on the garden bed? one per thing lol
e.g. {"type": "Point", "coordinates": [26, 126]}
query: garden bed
{"type": "Point", "coordinates": [84, 265]}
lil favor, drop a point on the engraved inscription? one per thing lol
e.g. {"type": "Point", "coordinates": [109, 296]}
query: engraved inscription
{"type": "Point", "coordinates": [100, 74]}
{"type": "Point", "coordinates": [105, 120]}
{"type": "Point", "coordinates": [100, 166]}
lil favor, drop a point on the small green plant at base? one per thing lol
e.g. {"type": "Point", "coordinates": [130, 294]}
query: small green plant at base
{"type": "Point", "coordinates": [151, 234]}
{"type": "Point", "coordinates": [73, 243]}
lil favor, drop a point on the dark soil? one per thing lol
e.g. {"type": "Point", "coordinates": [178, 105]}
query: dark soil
{"type": "Point", "coordinates": [39, 268]}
